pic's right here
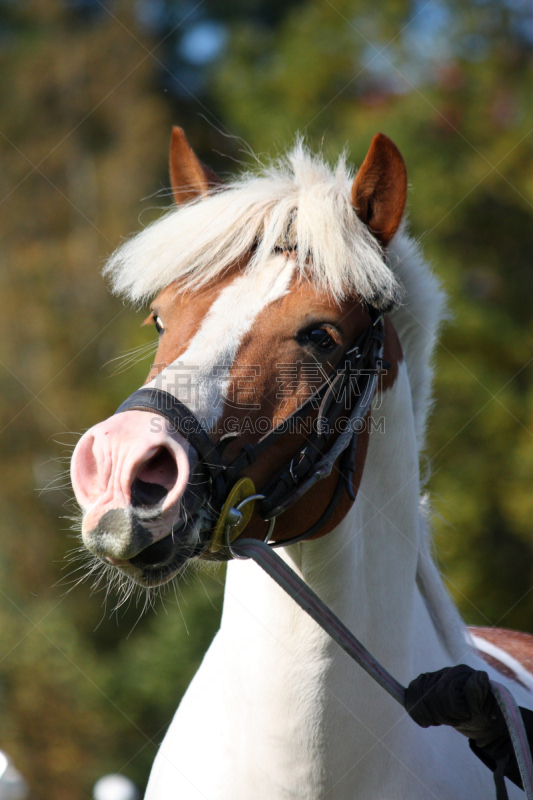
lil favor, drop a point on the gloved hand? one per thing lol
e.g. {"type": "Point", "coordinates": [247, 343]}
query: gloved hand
{"type": "Point", "coordinates": [458, 696]}
{"type": "Point", "coordinates": [462, 698]}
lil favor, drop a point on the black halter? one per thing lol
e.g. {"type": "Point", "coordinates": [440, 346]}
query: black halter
{"type": "Point", "coordinates": [314, 460]}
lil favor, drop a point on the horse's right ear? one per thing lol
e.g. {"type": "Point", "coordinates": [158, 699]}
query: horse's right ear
{"type": "Point", "coordinates": [188, 176]}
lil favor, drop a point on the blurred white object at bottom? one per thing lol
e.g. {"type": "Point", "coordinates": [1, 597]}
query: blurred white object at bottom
{"type": "Point", "coordinates": [12, 784]}
{"type": "Point", "coordinates": [113, 787]}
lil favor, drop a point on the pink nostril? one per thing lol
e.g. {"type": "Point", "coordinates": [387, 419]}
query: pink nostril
{"type": "Point", "coordinates": [160, 468]}
{"type": "Point", "coordinates": [123, 462]}
{"type": "Point", "coordinates": [154, 479]}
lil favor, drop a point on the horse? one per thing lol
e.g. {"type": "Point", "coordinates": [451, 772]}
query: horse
{"type": "Point", "coordinates": [275, 296]}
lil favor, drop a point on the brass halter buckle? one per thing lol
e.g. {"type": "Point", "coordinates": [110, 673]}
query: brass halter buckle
{"type": "Point", "coordinates": [235, 516]}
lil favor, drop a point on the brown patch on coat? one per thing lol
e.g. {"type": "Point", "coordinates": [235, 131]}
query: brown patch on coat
{"type": "Point", "coordinates": [517, 644]}
{"type": "Point", "coordinates": [273, 341]}
{"type": "Point", "coordinates": [182, 314]}
{"type": "Point", "coordinates": [257, 379]}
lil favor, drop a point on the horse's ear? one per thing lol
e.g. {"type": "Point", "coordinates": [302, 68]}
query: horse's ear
{"type": "Point", "coordinates": [188, 176]}
{"type": "Point", "coordinates": [379, 190]}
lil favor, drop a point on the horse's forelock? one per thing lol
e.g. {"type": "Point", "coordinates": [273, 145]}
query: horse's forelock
{"type": "Point", "coordinates": [300, 197]}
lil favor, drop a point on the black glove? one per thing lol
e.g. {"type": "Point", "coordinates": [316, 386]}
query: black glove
{"type": "Point", "coordinates": [462, 698]}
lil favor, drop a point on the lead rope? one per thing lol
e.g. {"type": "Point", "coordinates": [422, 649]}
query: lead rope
{"type": "Point", "coordinates": [513, 718]}
{"type": "Point", "coordinates": [309, 602]}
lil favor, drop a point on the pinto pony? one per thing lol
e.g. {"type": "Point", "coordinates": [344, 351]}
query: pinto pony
{"type": "Point", "coordinates": [268, 294]}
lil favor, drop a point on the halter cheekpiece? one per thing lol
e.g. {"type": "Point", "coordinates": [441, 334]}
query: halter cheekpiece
{"type": "Point", "coordinates": [232, 496]}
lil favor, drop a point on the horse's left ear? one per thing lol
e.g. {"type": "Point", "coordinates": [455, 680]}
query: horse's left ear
{"type": "Point", "coordinates": [188, 176]}
{"type": "Point", "coordinates": [379, 190]}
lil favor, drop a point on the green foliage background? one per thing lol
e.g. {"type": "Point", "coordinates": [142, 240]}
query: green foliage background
{"type": "Point", "coordinates": [89, 91]}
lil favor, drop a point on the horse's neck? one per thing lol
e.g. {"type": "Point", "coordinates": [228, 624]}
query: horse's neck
{"type": "Point", "coordinates": [365, 571]}
{"type": "Point", "coordinates": [278, 710]}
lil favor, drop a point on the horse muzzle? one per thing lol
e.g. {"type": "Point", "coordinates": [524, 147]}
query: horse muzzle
{"type": "Point", "coordinates": [131, 475]}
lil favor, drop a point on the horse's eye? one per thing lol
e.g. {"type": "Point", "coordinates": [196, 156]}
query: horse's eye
{"type": "Point", "coordinates": [158, 322]}
{"type": "Point", "coordinates": [321, 338]}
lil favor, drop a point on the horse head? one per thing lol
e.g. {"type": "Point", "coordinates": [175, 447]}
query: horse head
{"type": "Point", "coordinates": [269, 298]}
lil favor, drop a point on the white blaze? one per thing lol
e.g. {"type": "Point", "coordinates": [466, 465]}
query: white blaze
{"type": "Point", "coordinates": [200, 376]}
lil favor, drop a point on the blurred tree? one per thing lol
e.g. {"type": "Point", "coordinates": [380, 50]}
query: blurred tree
{"type": "Point", "coordinates": [84, 137]}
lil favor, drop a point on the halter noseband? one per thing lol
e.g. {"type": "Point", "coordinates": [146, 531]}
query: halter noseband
{"type": "Point", "coordinates": [233, 497]}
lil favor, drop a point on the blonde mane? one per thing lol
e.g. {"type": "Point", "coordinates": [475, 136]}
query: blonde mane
{"type": "Point", "coordinates": [298, 202]}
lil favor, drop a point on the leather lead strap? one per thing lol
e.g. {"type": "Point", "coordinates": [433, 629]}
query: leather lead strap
{"type": "Point", "coordinates": [499, 780]}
